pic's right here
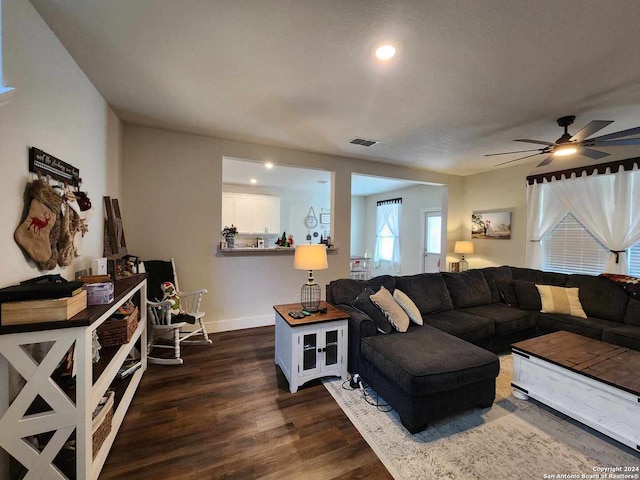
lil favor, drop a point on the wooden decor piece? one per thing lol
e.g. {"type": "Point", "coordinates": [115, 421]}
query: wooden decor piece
{"type": "Point", "coordinates": [115, 242]}
{"type": "Point", "coordinates": [37, 311]}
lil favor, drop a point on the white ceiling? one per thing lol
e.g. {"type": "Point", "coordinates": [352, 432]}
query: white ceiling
{"type": "Point", "coordinates": [469, 77]}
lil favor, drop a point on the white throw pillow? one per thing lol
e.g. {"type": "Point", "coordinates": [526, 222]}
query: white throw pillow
{"type": "Point", "coordinates": [394, 312]}
{"type": "Point", "coordinates": [408, 306]}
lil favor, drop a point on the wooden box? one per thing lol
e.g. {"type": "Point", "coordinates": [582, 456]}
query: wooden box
{"type": "Point", "coordinates": [36, 311]}
{"type": "Point", "coordinates": [118, 332]}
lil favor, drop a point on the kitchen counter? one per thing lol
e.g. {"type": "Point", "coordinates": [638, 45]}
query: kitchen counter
{"type": "Point", "coordinates": [224, 252]}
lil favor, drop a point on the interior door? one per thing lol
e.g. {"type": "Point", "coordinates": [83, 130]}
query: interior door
{"type": "Point", "coordinates": [432, 242]}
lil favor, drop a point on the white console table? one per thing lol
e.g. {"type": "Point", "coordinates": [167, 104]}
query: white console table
{"type": "Point", "coordinates": [69, 412]}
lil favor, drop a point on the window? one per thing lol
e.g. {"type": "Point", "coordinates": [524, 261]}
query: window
{"type": "Point", "coordinates": [570, 248]}
{"type": "Point", "coordinates": [388, 232]}
{"type": "Point", "coordinates": [634, 260]}
{"type": "Point", "coordinates": [4, 91]}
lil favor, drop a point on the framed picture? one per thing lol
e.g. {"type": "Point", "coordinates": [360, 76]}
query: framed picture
{"type": "Point", "coordinates": [491, 225]}
{"type": "Point", "coordinates": [325, 218]}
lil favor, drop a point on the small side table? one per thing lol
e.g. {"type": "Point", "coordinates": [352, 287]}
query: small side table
{"type": "Point", "coordinates": [311, 347]}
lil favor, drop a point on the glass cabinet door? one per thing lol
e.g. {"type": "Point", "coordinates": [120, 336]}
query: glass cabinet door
{"type": "Point", "coordinates": [331, 347]}
{"type": "Point", "coordinates": [309, 348]}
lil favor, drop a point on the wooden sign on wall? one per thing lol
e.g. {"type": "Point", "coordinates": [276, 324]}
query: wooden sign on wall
{"type": "Point", "coordinates": [48, 165]}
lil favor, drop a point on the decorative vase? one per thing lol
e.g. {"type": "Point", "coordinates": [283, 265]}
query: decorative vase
{"type": "Point", "coordinates": [230, 241]}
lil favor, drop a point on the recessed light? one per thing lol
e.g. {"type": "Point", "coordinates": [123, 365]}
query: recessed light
{"type": "Point", "coordinates": [268, 165]}
{"type": "Point", "coordinates": [385, 52]}
{"type": "Point", "coordinates": [253, 180]}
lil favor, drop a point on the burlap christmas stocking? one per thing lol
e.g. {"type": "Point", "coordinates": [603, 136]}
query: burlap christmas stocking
{"type": "Point", "coordinates": [33, 234]}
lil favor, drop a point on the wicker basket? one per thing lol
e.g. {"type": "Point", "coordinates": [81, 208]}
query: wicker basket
{"type": "Point", "coordinates": [118, 332]}
{"type": "Point", "coordinates": [102, 423]}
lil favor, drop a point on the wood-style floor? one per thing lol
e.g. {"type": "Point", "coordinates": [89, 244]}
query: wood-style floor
{"type": "Point", "coordinates": [227, 413]}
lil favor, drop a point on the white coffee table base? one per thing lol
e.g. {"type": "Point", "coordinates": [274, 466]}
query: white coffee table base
{"type": "Point", "coordinates": [605, 408]}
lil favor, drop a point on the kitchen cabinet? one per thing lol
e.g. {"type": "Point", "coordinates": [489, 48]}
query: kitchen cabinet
{"type": "Point", "coordinates": [252, 214]}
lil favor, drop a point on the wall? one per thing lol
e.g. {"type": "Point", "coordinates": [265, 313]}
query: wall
{"type": "Point", "coordinates": [500, 189]}
{"type": "Point", "coordinates": [55, 108]}
{"type": "Point", "coordinates": [414, 201]}
{"type": "Point", "coordinates": [183, 220]}
{"type": "Point", "coordinates": [358, 225]}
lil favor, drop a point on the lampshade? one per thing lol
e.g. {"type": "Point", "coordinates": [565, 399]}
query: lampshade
{"type": "Point", "coordinates": [463, 247]}
{"type": "Point", "coordinates": [310, 257]}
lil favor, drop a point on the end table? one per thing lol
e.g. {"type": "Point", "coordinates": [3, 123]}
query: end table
{"type": "Point", "coordinates": [311, 347]}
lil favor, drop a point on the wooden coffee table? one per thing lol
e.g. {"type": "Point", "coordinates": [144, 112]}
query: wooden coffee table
{"type": "Point", "coordinates": [594, 382]}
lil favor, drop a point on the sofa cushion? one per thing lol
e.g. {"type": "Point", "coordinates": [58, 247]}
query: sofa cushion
{"type": "Point", "coordinates": [425, 360]}
{"type": "Point", "coordinates": [427, 290]}
{"type": "Point", "coordinates": [493, 276]}
{"type": "Point", "coordinates": [365, 305]}
{"type": "Point", "coordinates": [394, 312]}
{"type": "Point", "coordinates": [527, 295]}
{"type": "Point", "coordinates": [561, 300]}
{"type": "Point", "coordinates": [589, 327]}
{"type": "Point", "coordinates": [632, 315]}
{"type": "Point", "coordinates": [467, 289]}
{"type": "Point", "coordinates": [600, 297]}
{"type": "Point", "coordinates": [408, 306]}
{"type": "Point", "coordinates": [475, 329]}
{"type": "Point", "coordinates": [627, 336]}
{"type": "Point", "coordinates": [506, 320]}
{"type": "Point", "coordinates": [345, 290]}
{"type": "Point", "coordinates": [537, 276]}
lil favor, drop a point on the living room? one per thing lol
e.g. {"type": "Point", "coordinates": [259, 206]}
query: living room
{"type": "Point", "coordinates": [60, 59]}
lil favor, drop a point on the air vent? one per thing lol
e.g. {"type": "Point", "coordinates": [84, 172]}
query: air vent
{"type": "Point", "coordinates": [363, 141]}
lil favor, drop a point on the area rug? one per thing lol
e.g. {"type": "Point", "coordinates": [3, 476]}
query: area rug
{"type": "Point", "coordinates": [516, 439]}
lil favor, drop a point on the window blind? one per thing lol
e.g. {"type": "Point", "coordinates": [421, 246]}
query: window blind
{"type": "Point", "coordinates": [570, 248]}
{"type": "Point", "coordinates": [634, 260]}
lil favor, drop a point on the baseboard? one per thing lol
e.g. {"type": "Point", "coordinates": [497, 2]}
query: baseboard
{"type": "Point", "coordinates": [239, 323]}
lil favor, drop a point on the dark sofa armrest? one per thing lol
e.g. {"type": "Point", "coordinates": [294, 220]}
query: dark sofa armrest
{"type": "Point", "coordinates": [360, 326]}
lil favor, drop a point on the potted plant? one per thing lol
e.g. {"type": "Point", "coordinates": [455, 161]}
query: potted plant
{"type": "Point", "coordinates": [229, 234]}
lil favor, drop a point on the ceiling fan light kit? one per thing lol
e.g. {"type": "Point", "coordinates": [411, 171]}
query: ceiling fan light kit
{"type": "Point", "coordinates": [579, 143]}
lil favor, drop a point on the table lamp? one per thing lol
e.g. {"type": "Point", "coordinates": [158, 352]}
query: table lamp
{"type": "Point", "coordinates": [310, 257]}
{"type": "Point", "coordinates": [464, 247]}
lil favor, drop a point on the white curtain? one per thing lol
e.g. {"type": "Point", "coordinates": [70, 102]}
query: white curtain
{"type": "Point", "coordinates": [607, 206]}
{"type": "Point", "coordinates": [388, 230]}
{"type": "Point", "coordinates": [544, 212]}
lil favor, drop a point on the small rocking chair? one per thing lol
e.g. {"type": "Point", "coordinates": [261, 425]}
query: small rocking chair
{"type": "Point", "coordinates": [164, 325]}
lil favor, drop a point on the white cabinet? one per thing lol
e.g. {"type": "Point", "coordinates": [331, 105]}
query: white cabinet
{"type": "Point", "coordinates": [313, 347]}
{"type": "Point", "coordinates": [252, 214]}
{"type": "Point", "coordinates": [70, 408]}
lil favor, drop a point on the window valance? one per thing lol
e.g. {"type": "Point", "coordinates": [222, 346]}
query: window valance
{"type": "Point", "coordinates": [600, 169]}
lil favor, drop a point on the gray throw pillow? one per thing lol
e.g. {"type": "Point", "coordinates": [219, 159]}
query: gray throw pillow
{"type": "Point", "coordinates": [366, 306]}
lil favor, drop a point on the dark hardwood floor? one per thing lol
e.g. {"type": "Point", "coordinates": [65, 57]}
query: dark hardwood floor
{"type": "Point", "coordinates": [227, 413]}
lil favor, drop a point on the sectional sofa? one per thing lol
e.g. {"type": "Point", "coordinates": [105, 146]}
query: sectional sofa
{"type": "Point", "coordinates": [449, 363]}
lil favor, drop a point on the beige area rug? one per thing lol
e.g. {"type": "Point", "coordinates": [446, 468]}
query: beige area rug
{"type": "Point", "coordinates": [514, 439]}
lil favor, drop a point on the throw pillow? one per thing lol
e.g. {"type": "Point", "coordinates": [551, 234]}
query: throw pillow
{"type": "Point", "coordinates": [565, 301]}
{"type": "Point", "coordinates": [408, 306]}
{"type": "Point", "coordinates": [394, 312]}
{"type": "Point", "coordinates": [527, 295]}
{"type": "Point", "coordinates": [364, 304]}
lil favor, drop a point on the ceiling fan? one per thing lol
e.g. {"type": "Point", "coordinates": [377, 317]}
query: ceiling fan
{"type": "Point", "coordinates": [578, 143]}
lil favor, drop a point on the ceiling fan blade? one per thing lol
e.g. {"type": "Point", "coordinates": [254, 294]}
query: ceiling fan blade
{"type": "Point", "coordinates": [546, 161]}
{"type": "Point", "coordinates": [591, 128]}
{"type": "Point", "coordinates": [517, 151]}
{"type": "Point", "coordinates": [521, 158]}
{"type": "Point", "coordinates": [620, 134]}
{"type": "Point", "coordinates": [614, 143]}
{"type": "Point", "coordinates": [589, 152]}
{"type": "Point", "coordinates": [528, 140]}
